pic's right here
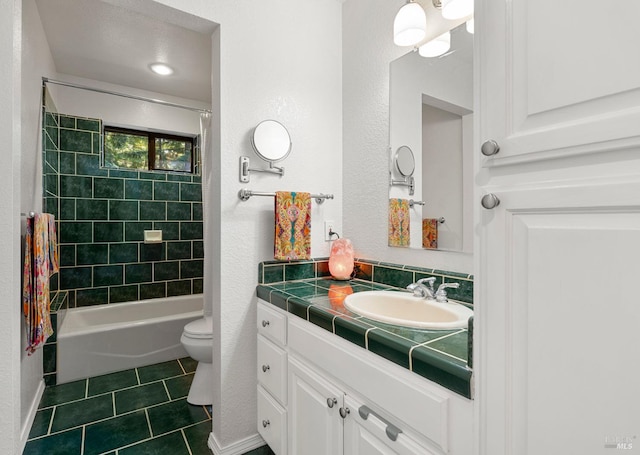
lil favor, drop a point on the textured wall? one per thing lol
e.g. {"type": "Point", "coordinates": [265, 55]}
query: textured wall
{"type": "Point", "coordinates": [367, 51]}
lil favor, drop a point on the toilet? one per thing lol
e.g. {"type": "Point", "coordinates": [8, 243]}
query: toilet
{"type": "Point", "coordinates": [197, 339]}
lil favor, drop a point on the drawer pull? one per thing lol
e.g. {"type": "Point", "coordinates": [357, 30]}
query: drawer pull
{"type": "Point", "coordinates": [265, 423]}
{"type": "Point", "coordinates": [392, 431]}
{"type": "Point", "coordinates": [344, 412]}
{"type": "Point", "coordinates": [331, 402]}
{"type": "Point", "coordinates": [265, 323]}
{"type": "Point", "coordinates": [265, 368]}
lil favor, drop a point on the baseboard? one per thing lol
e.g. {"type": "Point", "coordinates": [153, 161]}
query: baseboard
{"type": "Point", "coordinates": [33, 409]}
{"type": "Point", "coordinates": [237, 448]}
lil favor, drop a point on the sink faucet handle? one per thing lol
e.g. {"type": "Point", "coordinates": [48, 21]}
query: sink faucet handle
{"type": "Point", "coordinates": [441, 293]}
{"type": "Point", "coordinates": [430, 281]}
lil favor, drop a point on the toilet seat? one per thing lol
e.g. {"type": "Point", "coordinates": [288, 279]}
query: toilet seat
{"type": "Point", "coordinates": [200, 328]}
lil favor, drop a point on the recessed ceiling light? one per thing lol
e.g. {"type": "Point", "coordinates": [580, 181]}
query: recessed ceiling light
{"type": "Point", "coordinates": [161, 69]}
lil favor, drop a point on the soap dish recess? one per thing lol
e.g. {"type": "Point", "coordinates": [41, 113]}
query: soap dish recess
{"type": "Point", "coordinates": [153, 236]}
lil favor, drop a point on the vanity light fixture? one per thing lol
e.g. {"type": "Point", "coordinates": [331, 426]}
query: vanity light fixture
{"type": "Point", "coordinates": [436, 46]}
{"type": "Point", "coordinates": [410, 25]}
{"type": "Point", "coordinates": [161, 69]}
{"type": "Point", "coordinates": [456, 9]}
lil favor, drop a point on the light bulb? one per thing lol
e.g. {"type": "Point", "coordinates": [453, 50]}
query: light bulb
{"type": "Point", "coordinates": [437, 46]}
{"type": "Point", "coordinates": [161, 69]}
{"type": "Point", "coordinates": [456, 9]}
{"type": "Point", "coordinates": [410, 25]}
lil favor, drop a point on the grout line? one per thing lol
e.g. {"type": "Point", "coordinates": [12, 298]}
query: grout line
{"type": "Point", "coordinates": [113, 403]}
{"type": "Point", "coordinates": [137, 376]}
{"type": "Point", "coordinates": [82, 440]}
{"type": "Point", "coordinates": [166, 390]}
{"type": "Point", "coordinates": [181, 366]}
{"type": "Point", "coordinates": [366, 337]}
{"type": "Point", "coordinates": [146, 413]}
{"type": "Point", "coordinates": [53, 414]}
{"type": "Point", "coordinates": [411, 357]}
{"type": "Point", "coordinates": [186, 441]}
{"type": "Point", "coordinates": [86, 389]}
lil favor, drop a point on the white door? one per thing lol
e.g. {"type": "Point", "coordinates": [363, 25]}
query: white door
{"type": "Point", "coordinates": [315, 424]}
{"type": "Point", "coordinates": [557, 260]}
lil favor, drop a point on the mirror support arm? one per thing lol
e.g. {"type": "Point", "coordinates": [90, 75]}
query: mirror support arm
{"type": "Point", "coordinates": [408, 181]}
{"type": "Point", "coordinates": [245, 170]}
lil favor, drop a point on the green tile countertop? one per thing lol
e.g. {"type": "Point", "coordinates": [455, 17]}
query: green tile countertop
{"type": "Point", "coordinates": [438, 355]}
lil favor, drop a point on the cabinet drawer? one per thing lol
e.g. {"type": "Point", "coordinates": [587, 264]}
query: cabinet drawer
{"type": "Point", "coordinates": [272, 323]}
{"type": "Point", "coordinates": [272, 369]}
{"type": "Point", "coordinates": [272, 422]}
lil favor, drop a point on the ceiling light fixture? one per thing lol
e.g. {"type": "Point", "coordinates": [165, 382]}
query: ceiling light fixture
{"type": "Point", "coordinates": [410, 25]}
{"type": "Point", "coordinates": [161, 69]}
{"type": "Point", "coordinates": [456, 9]}
{"type": "Point", "coordinates": [437, 46]}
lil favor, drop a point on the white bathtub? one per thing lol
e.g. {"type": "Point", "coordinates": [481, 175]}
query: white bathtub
{"type": "Point", "coordinates": [119, 336]}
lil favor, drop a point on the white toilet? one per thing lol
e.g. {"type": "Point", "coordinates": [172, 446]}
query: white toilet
{"type": "Point", "coordinates": [197, 339]}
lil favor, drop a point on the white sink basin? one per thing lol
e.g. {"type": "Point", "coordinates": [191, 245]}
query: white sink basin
{"type": "Point", "coordinates": [403, 308]}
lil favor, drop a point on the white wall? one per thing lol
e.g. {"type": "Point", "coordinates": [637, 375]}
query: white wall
{"type": "Point", "coordinates": [281, 62]}
{"type": "Point", "coordinates": [368, 50]}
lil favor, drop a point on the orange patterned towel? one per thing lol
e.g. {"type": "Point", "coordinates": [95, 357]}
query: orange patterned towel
{"type": "Point", "coordinates": [430, 233]}
{"type": "Point", "coordinates": [399, 234]}
{"type": "Point", "coordinates": [292, 238]}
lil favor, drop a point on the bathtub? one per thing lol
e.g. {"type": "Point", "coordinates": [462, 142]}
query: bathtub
{"type": "Point", "coordinates": [119, 336]}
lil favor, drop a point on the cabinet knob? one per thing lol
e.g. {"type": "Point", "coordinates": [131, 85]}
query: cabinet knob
{"type": "Point", "coordinates": [344, 412]}
{"type": "Point", "coordinates": [490, 148]}
{"type": "Point", "coordinates": [265, 423]}
{"type": "Point", "coordinates": [265, 368]}
{"type": "Point", "coordinates": [490, 201]}
{"type": "Point", "coordinates": [265, 323]}
{"type": "Point", "coordinates": [331, 402]}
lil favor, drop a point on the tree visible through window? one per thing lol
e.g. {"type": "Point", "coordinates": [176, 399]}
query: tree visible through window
{"type": "Point", "coordinates": [133, 149]}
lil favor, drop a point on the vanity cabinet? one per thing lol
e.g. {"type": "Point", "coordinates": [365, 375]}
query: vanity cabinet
{"type": "Point", "coordinates": [342, 399]}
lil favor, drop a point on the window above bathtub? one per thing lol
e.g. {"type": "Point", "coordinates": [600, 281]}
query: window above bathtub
{"type": "Point", "coordinates": [132, 149]}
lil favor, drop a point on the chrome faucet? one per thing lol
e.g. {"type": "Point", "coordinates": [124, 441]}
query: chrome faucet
{"type": "Point", "coordinates": [422, 290]}
{"type": "Point", "coordinates": [441, 293]}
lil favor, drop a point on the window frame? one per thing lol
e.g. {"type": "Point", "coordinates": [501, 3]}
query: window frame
{"type": "Point", "coordinates": [151, 146]}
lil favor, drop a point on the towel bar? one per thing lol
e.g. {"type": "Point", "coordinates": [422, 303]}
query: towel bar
{"type": "Point", "coordinates": [244, 195]}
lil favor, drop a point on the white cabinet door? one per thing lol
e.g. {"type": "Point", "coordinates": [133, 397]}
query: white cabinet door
{"type": "Point", "coordinates": [367, 436]}
{"type": "Point", "coordinates": [315, 424]}
{"type": "Point", "coordinates": [557, 78]}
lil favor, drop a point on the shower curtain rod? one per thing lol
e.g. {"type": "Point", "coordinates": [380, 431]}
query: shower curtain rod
{"type": "Point", "coordinates": [46, 80]}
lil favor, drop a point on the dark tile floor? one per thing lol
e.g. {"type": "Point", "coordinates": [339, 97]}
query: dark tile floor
{"type": "Point", "coordinates": [142, 411]}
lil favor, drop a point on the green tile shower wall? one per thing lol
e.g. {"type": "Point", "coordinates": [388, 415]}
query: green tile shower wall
{"type": "Point", "coordinates": [102, 216]}
{"type": "Point", "coordinates": [376, 272]}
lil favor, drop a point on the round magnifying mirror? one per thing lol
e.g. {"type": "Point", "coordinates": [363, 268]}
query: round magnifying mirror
{"type": "Point", "coordinates": [271, 141]}
{"type": "Point", "coordinates": [405, 162]}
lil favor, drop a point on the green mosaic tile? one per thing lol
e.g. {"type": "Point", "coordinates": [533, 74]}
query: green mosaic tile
{"type": "Point", "coordinates": [299, 271]}
{"type": "Point", "coordinates": [50, 119]}
{"type": "Point", "coordinates": [108, 275]}
{"type": "Point", "coordinates": [65, 443]}
{"type": "Point", "coordinates": [178, 250]}
{"type": "Point", "coordinates": [119, 294]}
{"type": "Point", "coordinates": [138, 189]}
{"type": "Point", "coordinates": [178, 211]}
{"type": "Point", "coordinates": [134, 230]}
{"type": "Point", "coordinates": [175, 415]}
{"type": "Point", "coordinates": [50, 205]}
{"type": "Point", "coordinates": [67, 255]}
{"type": "Point", "coordinates": [88, 124]}
{"type": "Point", "coordinates": [51, 184]}
{"type": "Point", "coordinates": [198, 249]}
{"type": "Point", "coordinates": [124, 174]}
{"type": "Point", "coordinates": [464, 293]}
{"type": "Point", "coordinates": [196, 178]}
{"type": "Point", "coordinates": [166, 271]}
{"type": "Point", "coordinates": [108, 232]}
{"type": "Point", "coordinates": [442, 369]}
{"type": "Point", "coordinates": [65, 121]}
{"type": "Point", "coordinates": [89, 165]}
{"type": "Point", "coordinates": [49, 353]}
{"type": "Point", "coordinates": [123, 252]}
{"type": "Point", "coordinates": [138, 273]}
{"type": "Point", "coordinates": [96, 142]}
{"type": "Point", "coordinates": [75, 141]}
{"type": "Point", "coordinates": [123, 210]}
{"type": "Point", "coordinates": [63, 393]}
{"type": "Point", "coordinates": [50, 379]}
{"type": "Point", "coordinates": [92, 253]}
{"type": "Point", "coordinates": [153, 210]}
{"type": "Point", "coordinates": [170, 230]}
{"type": "Point", "coordinates": [67, 163]}
{"type": "Point", "coordinates": [73, 186]}
{"type": "Point", "coordinates": [452, 274]}
{"type": "Point", "coordinates": [191, 230]}
{"type": "Point", "coordinates": [112, 381]}
{"type": "Point", "coordinates": [41, 422]}
{"type": "Point", "coordinates": [77, 413]}
{"type": "Point", "coordinates": [170, 443]}
{"type": "Point", "coordinates": [67, 209]}
{"type": "Point", "coordinates": [166, 191]}
{"type": "Point", "coordinates": [351, 329]}
{"type": "Point", "coordinates": [322, 269]}
{"type": "Point", "coordinates": [393, 277]}
{"type": "Point", "coordinates": [74, 278]}
{"type": "Point", "coordinates": [92, 209]}
{"type": "Point", "coordinates": [178, 387]}
{"type": "Point", "coordinates": [191, 269]}
{"type": "Point", "coordinates": [108, 188]}
{"type": "Point", "coordinates": [175, 288]}
{"type": "Point", "coordinates": [178, 178]}
{"type": "Point", "coordinates": [198, 286]}
{"type": "Point", "coordinates": [297, 306]}
{"type": "Point", "coordinates": [116, 432]}
{"type": "Point", "coordinates": [152, 252]}
{"type": "Point", "coordinates": [390, 346]}
{"type": "Point", "coordinates": [363, 271]}
{"type": "Point", "coordinates": [140, 397]}
{"type": "Point", "coordinates": [159, 371]}
{"type": "Point", "coordinates": [50, 139]}
{"type": "Point", "coordinates": [197, 211]}
{"type": "Point", "coordinates": [455, 345]}
{"type": "Point", "coordinates": [191, 192]}
{"type": "Point", "coordinates": [320, 318]}
{"type": "Point", "coordinates": [153, 176]}
{"type": "Point", "coordinates": [153, 291]}
{"type": "Point", "coordinates": [88, 297]}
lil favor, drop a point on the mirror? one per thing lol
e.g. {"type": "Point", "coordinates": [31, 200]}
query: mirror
{"type": "Point", "coordinates": [431, 102]}
{"type": "Point", "coordinates": [271, 141]}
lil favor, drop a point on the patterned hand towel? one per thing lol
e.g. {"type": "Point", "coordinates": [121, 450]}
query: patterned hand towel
{"type": "Point", "coordinates": [430, 233]}
{"type": "Point", "coordinates": [292, 238]}
{"type": "Point", "coordinates": [41, 261]}
{"type": "Point", "coordinates": [399, 234]}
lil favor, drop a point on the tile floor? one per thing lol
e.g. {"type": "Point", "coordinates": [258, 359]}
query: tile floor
{"type": "Point", "coordinates": [133, 412]}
